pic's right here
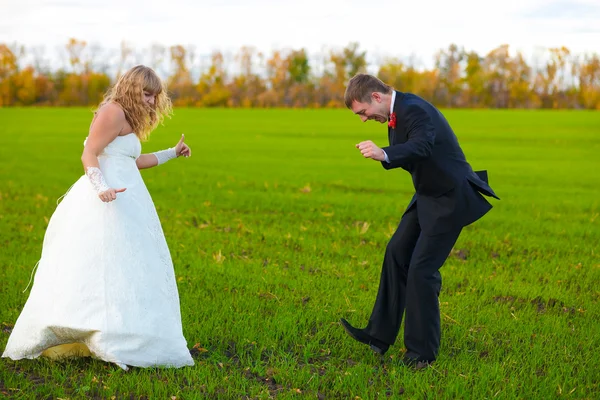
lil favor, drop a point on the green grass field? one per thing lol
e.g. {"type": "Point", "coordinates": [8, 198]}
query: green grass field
{"type": "Point", "coordinates": [277, 228]}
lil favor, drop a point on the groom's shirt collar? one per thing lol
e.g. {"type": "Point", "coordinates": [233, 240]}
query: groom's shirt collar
{"type": "Point", "coordinates": [392, 102]}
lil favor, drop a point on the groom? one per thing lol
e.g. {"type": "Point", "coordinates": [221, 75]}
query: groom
{"type": "Point", "coordinates": [448, 197]}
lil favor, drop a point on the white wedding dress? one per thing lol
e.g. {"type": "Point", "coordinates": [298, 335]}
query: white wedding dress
{"type": "Point", "coordinates": [105, 281]}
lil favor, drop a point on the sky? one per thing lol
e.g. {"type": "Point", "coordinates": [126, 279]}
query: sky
{"type": "Point", "coordinates": [395, 28]}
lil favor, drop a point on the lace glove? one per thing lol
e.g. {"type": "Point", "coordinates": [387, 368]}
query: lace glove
{"type": "Point", "coordinates": [97, 179]}
{"type": "Point", "coordinates": [165, 155]}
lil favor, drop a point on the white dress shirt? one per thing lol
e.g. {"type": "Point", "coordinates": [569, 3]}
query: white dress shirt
{"type": "Point", "coordinates": [387, 160]}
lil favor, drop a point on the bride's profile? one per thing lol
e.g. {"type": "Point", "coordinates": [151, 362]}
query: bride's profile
{"type": "Point", "coordinates": [105, 284]}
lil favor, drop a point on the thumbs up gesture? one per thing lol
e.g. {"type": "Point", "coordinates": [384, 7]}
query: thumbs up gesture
{"type": "Point", "coordinates": [111, 194]}
{"type": "Point", "coordinates": [182, 149]}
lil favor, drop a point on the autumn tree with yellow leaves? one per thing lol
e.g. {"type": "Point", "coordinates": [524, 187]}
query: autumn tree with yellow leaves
{"type": "Point", "coordinates": [292, 78]}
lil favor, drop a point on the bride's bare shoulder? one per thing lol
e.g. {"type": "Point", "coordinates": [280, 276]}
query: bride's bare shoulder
{"type": "Point", "coordinates": [111, 111]}
{"type": "Point", "coordinates": [109, 115]}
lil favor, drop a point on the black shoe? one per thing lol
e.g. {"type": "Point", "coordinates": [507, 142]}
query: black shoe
{"type": "Point", "coordinates": [416, 364]}
{"type": "Point", "coordinates": [358, 334]}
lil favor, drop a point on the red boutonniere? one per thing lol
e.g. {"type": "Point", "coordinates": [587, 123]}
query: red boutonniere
{"type": "Point", "coordinates": [392, 123]}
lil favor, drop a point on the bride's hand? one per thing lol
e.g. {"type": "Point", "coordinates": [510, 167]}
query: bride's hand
{"type": "Point", "coordinates": [110, 194]}
{"type": "Point", "coordinates": [182, 149]}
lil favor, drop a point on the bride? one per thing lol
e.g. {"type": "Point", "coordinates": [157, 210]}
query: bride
{"type": "Point", "coordinates": [105, 285]}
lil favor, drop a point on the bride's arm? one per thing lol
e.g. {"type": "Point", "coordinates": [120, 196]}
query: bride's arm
{"type": "Point", "coordinates": [146, 161]}
{"type": "Point", "coordinates": [161, 157]}
{"type": "Point", "coordinates": [105, 128]}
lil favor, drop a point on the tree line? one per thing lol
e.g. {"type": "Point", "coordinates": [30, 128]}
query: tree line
{"type": "Point", "coordinates": [292, 78]}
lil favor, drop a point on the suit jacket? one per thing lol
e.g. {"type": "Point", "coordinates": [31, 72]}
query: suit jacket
{"type": "Point", "coordinates": [448, 191]}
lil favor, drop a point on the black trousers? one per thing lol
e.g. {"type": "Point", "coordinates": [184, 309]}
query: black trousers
{"type": "Point", "coordinates": [410, 283]}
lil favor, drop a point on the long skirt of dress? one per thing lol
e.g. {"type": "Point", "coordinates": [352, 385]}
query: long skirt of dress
{"type": "Point", "coordinates": [105, 278]}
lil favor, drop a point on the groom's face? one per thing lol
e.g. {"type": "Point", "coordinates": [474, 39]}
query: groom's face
{"type": "Point", "coordinates": [375, 110]}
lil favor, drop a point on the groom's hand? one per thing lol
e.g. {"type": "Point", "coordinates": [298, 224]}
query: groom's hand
{"type": "Point", "coordinates": [370, 150]}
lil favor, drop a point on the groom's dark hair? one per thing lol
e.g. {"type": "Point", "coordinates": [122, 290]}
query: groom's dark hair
{"type": "Point", "coordinates": [360, 88]}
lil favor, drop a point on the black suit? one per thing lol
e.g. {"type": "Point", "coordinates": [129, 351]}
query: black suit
{"type": "Point", "coordinates": [448, 197]}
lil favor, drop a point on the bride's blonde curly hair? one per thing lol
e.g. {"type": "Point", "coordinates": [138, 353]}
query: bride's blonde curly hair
{"type": "Point", "coordinates": [128, 92]}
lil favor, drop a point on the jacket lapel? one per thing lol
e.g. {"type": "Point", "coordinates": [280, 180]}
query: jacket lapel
{"type": "Point", "coordinates": [398, 135]}
{"type": "Point", "coordinates": [391, 136]}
